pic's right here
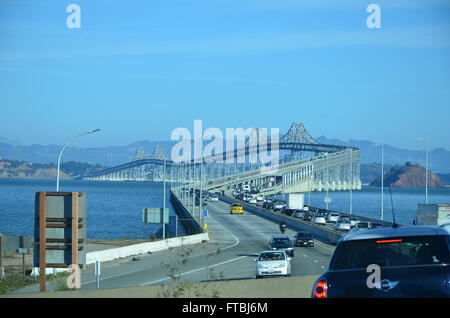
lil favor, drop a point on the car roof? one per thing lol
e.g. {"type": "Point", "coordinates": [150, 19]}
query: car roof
{"type": "Point", "coordinates": [280, 237]}
{"type": "Point", "coordinates": [272, 251]}
{"type": "Point", "coordinates": [385, 232]}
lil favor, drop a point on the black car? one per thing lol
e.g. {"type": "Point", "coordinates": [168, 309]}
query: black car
{"type": "Point", "coordinates": [308, 216]}
{"type": "Point", "coordinates": [282, 243]}
{"type": "Point", "coordinates": [304, 238]}
{"type": "Point", "coordinates": [407, 261]}
{"type": "Point", "coordinates": [288, 212]}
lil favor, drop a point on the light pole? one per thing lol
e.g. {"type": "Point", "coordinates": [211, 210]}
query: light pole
{"type": "Point", "coordinates": [64, 147]}
{"type": "Point", "coordinates": [351, 179]}
{"type": "Point", "coordinates": [426, 168]}
{"type": "Point", "coordinates": [164, 200]}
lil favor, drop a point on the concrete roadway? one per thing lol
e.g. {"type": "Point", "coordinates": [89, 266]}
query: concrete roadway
{"type": "Point", "coordinates": [235, 241]}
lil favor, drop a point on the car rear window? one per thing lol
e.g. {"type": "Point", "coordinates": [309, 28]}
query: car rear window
{"type": "Point", "coordinates": [271, 257]}
{"type": "Point", "coordinates": [385, 252]}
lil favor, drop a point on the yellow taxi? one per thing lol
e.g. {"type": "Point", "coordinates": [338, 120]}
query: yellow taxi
{"type": "Point", "coordinates": [237, 209]}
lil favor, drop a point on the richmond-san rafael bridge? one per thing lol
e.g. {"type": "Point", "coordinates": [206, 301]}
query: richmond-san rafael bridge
{"type": "Point", "coordinates": [305, 165]}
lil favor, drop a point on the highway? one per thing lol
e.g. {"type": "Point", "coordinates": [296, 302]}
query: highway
{"type": "Point", "coordinates": [235, 241]}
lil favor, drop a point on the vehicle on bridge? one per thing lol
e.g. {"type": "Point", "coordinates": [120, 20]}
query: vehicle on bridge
{"type": "Point", "coordinates": [214, 198]}
{"type": "Point", "coordinates": [409, 261]}
{"type": "Point", "coordinates": [273, 263]}
{"type": "Point", "coordinates": [237, 208]}
{"type": "Point", "coordinates": [282, 243]}
{"type": "Point", "coordinates": [279, 205]}
{"type": "Point", "coordinates": [304, 238]}
{"type": "Point", "coordinates": [320, 218]}
{"type": "Point", "coordinates": [308, 216]}
{"type": "Point", "coordinates": [342, 225]}
{"type": "Point", "coordinates": [333, 217]}
{"type": "Point", "coordinates": [361, 225]}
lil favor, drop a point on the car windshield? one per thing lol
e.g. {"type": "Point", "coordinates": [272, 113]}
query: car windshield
{"type": "Point", "coordinates": [363, 225]}
{"type": "Point", "coordinates": [272, 256]}
{"type": "Point", "coordinates": [282, 241]}
{"type": "Point", "coordinates": [407, 251]}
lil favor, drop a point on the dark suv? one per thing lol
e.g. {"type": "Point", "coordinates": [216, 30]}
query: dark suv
{"type": "Point", "coordinates": [409, 261]}
{"type": "Point", "coordinates": [304, 238]}
{"type": "Point", "coordinates": [282, 243]}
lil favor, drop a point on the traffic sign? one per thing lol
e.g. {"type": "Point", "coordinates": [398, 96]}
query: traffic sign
{"type": "Point", "coordinates": [205, 213]}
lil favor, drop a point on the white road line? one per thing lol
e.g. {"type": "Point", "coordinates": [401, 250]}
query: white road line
{"type": "Point", "coordinates": [196, 270]}
{"type": "Point", "coordinates": [316, 261]}
{"type": "Point", "coordinates": [237, 241]}
{"type": "Point", "coordinates": [305, 255]}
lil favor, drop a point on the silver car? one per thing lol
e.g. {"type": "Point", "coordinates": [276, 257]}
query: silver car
{"type": "Point", "coordinates": [319, 219]}
{"type": "Point", "coordinates": [333, 217]}
{"type": "Point", "coordinates": [343, 226]}
{"type": "Point", "coordinates": [273, 263]}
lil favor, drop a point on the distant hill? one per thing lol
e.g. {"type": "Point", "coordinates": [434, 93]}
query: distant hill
{"type": "Point", "coordinates": [21, 169]}
{"type": "Point", "coordinates": [409, 176]}
{"type": "Point", "coordinates": [439, 159]}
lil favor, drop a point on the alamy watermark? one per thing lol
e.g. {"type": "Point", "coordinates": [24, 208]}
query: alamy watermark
{"type": "Point", "coordinates": [237, 145]}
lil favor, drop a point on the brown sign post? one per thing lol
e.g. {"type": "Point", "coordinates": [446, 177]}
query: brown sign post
{"type": "Point", "coordinates": [60, 231]}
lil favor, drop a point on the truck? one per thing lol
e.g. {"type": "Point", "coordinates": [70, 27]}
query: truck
{"type": "Point", "coordinates": [433, 214]}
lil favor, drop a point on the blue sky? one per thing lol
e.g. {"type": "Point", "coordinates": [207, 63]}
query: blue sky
{"type": "Point", "coordinates": [139, 69]}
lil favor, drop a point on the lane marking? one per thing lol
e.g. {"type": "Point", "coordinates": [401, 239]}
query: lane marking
{"type": "Point", "coordinates": [237, 241]}
{"type": "Point", "coordinates": [195, 270]}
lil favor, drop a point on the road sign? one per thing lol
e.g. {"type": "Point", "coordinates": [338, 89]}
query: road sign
{"type": "Point", "coordinates": [205, 212]}
{"type": "Point", "coordinates": [60, 231]}
{"type": "Point", "coordinates": [155, 215]}
{"type": "Point", "coordinates": [22, 251]}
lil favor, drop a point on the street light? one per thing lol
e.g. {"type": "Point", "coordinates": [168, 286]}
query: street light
{"type": "Point", "coordinates": [64, 147]}
{"type": "Point", "coordinates": [426, 168]}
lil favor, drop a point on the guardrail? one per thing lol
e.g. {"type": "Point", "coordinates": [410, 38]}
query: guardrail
{"type": "Point", "coordinates": [319, 232]}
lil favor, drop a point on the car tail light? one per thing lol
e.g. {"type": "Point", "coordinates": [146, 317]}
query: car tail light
{"type": "Point", "coordinates": [320, 289]}
{"type": "Point", "coordinates": [389, 241]}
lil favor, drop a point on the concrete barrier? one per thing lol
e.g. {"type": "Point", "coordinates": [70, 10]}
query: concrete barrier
{"type": "Point", "coordinates": [184, 216]}
{"type": "Point", "coordinates": [144, 248]}
{"type": "Point", "coordinates": [325, 235]}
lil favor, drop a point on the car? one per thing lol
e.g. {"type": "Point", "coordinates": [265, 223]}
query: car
{"type": "Point", "coordinates": [279, 205]}
{"type": "Point", "coordinates": [361, 225]}
{"type": "Point", "coordinates": [214, 198]}
{"type": "Point", "coordinates": [282, 243]}
{"type": "Point", "coordinates": [304, 238]}
{"type": "Point", "coordinates": [308, 216]}
{"type": "Point", "coordinates": [259, 202]}
{"type": "Point", "coordinates": [343, 226]}
{"type": "Point", "coordinates": [400, 262]}
{"type": "Point", "coordinates": [268, 203]}
{"type": "Point", "coordinates": [299, 214]}
{"type": "Point", "coordinates": [333, 217]}
{"type": "Point", "coordinates": [246, 188]}
{"type": "Point", "coordinates": [353, 221]}
{"type": "Point", "coordinates": [375, 225]}
{"type": "Point", "coordinates": [319, 218]}
{"type": "Point", "coordinates": [273, 263]}
{"type": "Point", "coordinates": [252, 200]}
{"type": "Point", "coordinates": [236, 208]}
{"type": "Point", "coordinates": [288, 212]}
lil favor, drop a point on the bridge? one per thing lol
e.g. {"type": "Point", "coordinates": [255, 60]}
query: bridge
{"type": "Point", "coordinates": [304, 165]}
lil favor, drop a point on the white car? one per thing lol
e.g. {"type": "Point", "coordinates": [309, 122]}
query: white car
{"type": "Point", "coordinates": [319, 219]}
{"type": "Point", "coordinates": [333, 217]}
{"type": "Point", "coordinates": [252, 200]}
{"type": "Point", "coordinates": [214, 198]}
{"type": "Point", "coordinates": [343, 226]}
{"type": "Point", "coordinates": [273, 263]}
{"type": "Point", "coordinates": [353, 221]}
